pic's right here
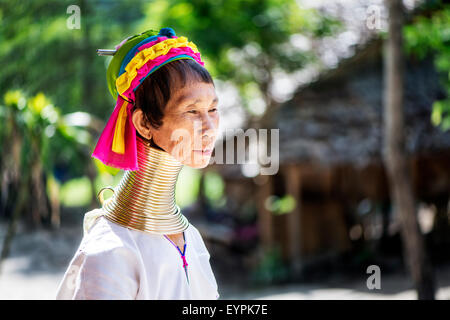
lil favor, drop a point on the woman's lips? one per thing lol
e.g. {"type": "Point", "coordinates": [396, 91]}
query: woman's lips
{"type": "Point", "coordinates": [205, 152]}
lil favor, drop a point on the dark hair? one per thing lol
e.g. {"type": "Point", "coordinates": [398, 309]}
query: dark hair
{"type": "Point", "coordinates": [154, 92]}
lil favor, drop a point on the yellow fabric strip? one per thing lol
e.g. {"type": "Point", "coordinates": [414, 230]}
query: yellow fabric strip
{"type": "Point", "coordinates": [118, 144]}
{"type": "Point", "coordinates": [124, 81]}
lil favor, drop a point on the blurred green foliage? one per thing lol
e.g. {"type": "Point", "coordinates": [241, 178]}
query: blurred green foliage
{"type": "Point", "coordinates": [242, 42]}
{"type": "Point", "coordinates": [429, 33]}
{"type": "Point", "coordinates": [280, 205]}
{"type": "Point", "coordinates": [39, 150]}
{"type": "Point", "coordinates": [76, 192]}
{"type": "Point", "coordinates": [39, 121]}
{"type": "Point", "coordinates": [39, 53]}
{"type": "Point", "coordinates": [214, 189]}
{"type": "Point", "coordinates": [187, 187]}
{"type": "Point", "coordinates": [245, 41]}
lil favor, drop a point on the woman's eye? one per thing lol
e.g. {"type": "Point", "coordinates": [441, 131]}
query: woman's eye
{"type": "Point", "coordinates": [195, 111]}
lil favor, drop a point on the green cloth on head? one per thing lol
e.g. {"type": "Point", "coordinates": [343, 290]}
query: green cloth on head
{"type": "Point", "coordinates": [114, 66]}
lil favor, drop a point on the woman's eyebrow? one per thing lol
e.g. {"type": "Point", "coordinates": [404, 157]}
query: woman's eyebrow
{"type": "Point", "coordinates": [181, 99]}
{"type": "Point", "coordinates": [215, 100]}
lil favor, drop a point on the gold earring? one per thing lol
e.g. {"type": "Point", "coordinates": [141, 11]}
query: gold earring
{"type": "Point", "coordinates": [149, 140]}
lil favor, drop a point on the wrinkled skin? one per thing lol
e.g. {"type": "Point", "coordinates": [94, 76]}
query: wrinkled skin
{"type": "Point", "coordinates": [187, 128]}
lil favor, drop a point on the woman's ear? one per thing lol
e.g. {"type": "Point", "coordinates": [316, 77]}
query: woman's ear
{"type": "Point", "coordinates": [141, 124]}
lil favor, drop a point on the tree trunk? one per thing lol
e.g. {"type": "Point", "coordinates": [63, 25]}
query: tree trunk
{"type": "Point", "coordinates": [265, 218]}
{"type": "Point", "coordinates": [292, 176]}
{"type": "Point", "coordinates": [398, 168]}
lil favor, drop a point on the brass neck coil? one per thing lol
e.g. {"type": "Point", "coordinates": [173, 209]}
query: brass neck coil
{"type": "Point", "coordinates": [144, 199]}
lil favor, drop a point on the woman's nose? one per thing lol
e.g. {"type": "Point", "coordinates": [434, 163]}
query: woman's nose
{"type": "Point", "coordinates": [209, 125]}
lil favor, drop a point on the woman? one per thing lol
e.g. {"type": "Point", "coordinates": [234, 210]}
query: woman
{"type": "Point", "coordinates": [139, 245]}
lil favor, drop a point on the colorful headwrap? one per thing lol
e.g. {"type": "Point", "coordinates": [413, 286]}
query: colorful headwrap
{"type": "Point", "coordinates": [134, 59]}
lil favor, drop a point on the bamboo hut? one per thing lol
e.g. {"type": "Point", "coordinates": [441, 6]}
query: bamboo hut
{"type": "Point", "coordinates": [330, 159]}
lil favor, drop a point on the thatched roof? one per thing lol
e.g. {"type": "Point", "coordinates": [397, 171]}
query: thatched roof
{"type": "Point", "coordinates": [338, 118]}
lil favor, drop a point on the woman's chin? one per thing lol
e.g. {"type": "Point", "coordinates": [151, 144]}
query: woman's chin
{"type": "Point", "coordinates": [198, 162]}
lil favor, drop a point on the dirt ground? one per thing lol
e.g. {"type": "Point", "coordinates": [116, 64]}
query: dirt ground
{"type": "Point", "coordinates": [38, 260]}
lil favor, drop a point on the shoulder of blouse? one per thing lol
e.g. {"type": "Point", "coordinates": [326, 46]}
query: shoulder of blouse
{"type": "Point", "coordinates": [199, 243]}
{"type": "Point", "coordinates": [106, 265]}
{"type": "Point", "coordinates": [105, 236]}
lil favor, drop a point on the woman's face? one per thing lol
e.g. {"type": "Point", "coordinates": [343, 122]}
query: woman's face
{"type": "Point", "coordinates": [190, 124]}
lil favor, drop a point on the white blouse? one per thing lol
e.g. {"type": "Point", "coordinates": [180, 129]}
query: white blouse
{"type": "Point", "coordinates": [114, 262]}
